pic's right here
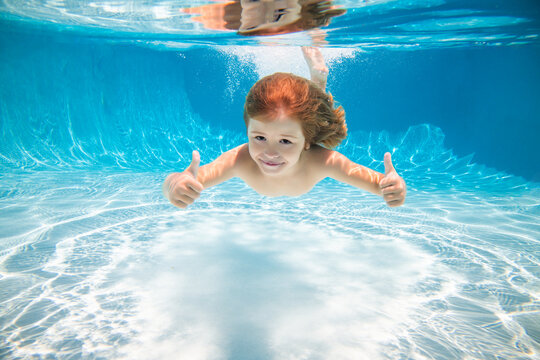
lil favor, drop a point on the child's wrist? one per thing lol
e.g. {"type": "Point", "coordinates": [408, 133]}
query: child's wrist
{"type": "Point", "coordinates": [319, 71]}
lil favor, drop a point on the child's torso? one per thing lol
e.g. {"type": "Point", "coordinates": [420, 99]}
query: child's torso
{"type": "Point", "coordinates": [301, 181]}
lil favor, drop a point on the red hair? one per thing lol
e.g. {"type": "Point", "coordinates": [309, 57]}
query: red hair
{"type": "Point", "coordinates": [302, 100]}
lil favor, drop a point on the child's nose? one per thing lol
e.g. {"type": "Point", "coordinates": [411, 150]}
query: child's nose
{"type": "Point", "coordinates": [270, 151]}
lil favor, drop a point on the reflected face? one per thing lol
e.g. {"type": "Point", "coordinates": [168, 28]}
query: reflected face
{"type": "Point", "coordinates": [268, 16]}
{"type": "Point", "coordinates": [276, 144]}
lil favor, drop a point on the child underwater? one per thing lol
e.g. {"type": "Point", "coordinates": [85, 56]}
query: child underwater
{"type": "Point", "coordinates": [291, 126]}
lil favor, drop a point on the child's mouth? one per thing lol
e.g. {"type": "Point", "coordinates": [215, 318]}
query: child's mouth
{"type": "Point", "coordinates": [272, 164]}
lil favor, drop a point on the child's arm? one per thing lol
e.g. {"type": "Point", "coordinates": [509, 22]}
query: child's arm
{"type": "Point", "coordinates": [388, 185]}
{"type": "Point", "coordinates": [182, 189]}
{"type": "Point", "coordinates": [317, 67]}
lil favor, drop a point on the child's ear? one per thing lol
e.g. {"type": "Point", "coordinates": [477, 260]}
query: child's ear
{"type": "Point", "coordinates": [307, 146]}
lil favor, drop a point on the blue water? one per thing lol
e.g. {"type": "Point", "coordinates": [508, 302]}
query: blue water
{"type": "Point", "coordinates": [98, 103]}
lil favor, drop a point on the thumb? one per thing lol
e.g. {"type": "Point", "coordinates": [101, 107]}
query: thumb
{"type": "Point", "coordinates": [193, 168]}
{"type": "Point", "coordinates": [388, 167]}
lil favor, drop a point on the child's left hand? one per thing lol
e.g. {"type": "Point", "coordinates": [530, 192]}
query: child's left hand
{"type": "Point", "coordinates": [392, 186]}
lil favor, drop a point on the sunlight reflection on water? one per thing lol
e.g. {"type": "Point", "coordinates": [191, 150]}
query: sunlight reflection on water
{"type": "Point", "coordinates": [331, 274]}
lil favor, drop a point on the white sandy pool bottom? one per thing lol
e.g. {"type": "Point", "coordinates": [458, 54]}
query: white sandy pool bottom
{"type": "Point", "coordinates": [257, 287]}
{"type": "Point", "coordinates": [331, 275]}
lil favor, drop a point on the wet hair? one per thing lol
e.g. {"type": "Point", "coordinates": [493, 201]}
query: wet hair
{"type": "Point", "coordinates": [300, 99]}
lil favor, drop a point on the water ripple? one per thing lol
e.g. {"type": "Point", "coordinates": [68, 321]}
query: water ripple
{"type": "Point", "coordinates": [100, 266]}
{"type": "Point", "coordinates": [367, 24]}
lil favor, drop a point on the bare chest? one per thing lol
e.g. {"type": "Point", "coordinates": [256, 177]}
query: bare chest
{"type": "Point", "coordinates": [281, 185]}
{"type": "Point", "coordinates": [296, 183]}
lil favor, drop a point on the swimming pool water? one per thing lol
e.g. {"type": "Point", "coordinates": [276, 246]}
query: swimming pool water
{"type": "Point", "coordinates": [95, 264]}
{"type": "Point", "coordinates": [99, 266]}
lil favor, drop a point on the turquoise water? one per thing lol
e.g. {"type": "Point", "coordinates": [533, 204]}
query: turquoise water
{"type": "Point", "coordinates": [100, 102]}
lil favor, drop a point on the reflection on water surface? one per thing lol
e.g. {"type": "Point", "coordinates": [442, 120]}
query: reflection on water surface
{"type": "Point", "coordinates": [366, 24]}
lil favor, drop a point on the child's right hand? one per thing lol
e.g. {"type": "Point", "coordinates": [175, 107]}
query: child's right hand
{"type": "Point", "coordinates": [314, 59]}
{"type": "Point", "coordinates": [317, 67]}
{"type": "Point", "coordinates": [182, 189]}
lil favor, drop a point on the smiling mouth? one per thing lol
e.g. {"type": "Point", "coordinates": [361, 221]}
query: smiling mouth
{"type": "Point", "coordinates": [270, 163]}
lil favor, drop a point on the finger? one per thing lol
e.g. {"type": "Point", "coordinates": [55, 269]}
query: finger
{"type": "Point", "coordinates": [192, 193]}
{"type": "Point", "coordinates": [388, 167]}
{"type": "Point", "coordinates": [392, 189]}
{"type": "Point", "coordinates": [195, 161]}
{"type": "Point", "coordinates": [179, 204]}
{"type": "Point", "coordinates": [184, 199]}
{"type": "Point", "coordinates": [195, 186]}
{"type": "Point", "coordinates": [306, 51]}
{"type": "Point", "coordinates": [395, 203]}
{"type": "Point", "coordinates": [392, 197]}
{"type": "Point", "coordinates": [388, 181]}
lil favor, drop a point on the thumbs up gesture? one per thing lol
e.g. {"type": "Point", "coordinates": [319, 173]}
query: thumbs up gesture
{"type": "Point", "coordinates": [392, 186]}
{"type": "Point", "coordinates": [182, 189]}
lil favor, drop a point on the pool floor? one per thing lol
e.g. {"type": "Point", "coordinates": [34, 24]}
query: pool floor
{"type": "Point", "coordinates": [96, 264]}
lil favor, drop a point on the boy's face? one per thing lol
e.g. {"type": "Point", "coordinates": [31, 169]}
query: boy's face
{"type": "Point", "coordinates": [275, 144]}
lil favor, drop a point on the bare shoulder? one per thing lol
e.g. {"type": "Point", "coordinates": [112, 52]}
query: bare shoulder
{"type": "Point", "coordinates": [319, 156]}
{"type": "Point", "coordinates": [243, 150]}
{"type": "Point", "coordinates": [243, 159]}
{"type": "Point", "coordinates": [227, 165]}
{"type": "Point", "coordinates": [330, 163]}
{"type": "Point", "coordinates": [242, 154]}
{"type": "Point", "coordinates": [229, 155]}
{"type": "Point", "coordinates": [318, 160]}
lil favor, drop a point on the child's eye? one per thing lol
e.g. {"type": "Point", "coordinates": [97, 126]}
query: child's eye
{"type": "Point", "coordinates": [259, 138]}
{"type": "Point", "coordinates": [285, 141]}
